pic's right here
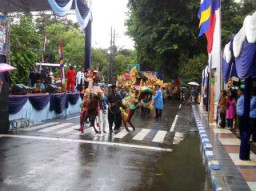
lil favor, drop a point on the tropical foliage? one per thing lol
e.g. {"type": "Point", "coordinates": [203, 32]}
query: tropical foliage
{"type": "Point", "coordinates": [26, 46]}
{"type": "Point", "coordinates": [166, 33]}
{"type": "Point", "coordinates": [24, 49]}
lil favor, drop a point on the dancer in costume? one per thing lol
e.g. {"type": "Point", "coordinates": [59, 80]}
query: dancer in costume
{"type": "Point", "coordinates": [130, 102]}
{"type": "Point", "coordinates": [90, 105]}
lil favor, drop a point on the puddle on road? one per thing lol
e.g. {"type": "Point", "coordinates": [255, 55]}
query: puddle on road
{"type": "Point", "coordinates": [185, 169]}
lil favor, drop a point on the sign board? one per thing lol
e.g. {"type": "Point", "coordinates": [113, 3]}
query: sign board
{"type": "Point", "coordinates": [134, 65]}
{"type": "Point", "coordinates": [3, 35]}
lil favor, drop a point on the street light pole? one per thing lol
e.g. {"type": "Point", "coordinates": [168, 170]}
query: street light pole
{"type": "Point", "coordinates": [110, 59]}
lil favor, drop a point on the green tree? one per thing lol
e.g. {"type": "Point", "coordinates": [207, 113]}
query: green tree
{"type": "Point", "coordinates": [191, 69]}
{"type": "Point", "coordinates": [122, 60]}
{"type": "Point", "coordinates": [25, 45]}
{"type": "Point", "coordinates": [73, 45]}
{"type": "Point", "coordinates": [100, 61]}
{"type": "Point", "coordinates": [166, 32]}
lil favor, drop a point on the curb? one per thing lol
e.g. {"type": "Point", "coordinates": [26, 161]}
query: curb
{"type": "Point", "coordinates": [212, 164]}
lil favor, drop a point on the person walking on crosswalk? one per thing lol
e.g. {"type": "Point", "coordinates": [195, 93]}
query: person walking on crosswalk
{"type": "Point", "coordinates": [132, 105]}
{"type": "Point", "coordinates": [158, 99]}
{"type": "Point", "coordinates": [103, 112]}
{"type": "Point", "coordinates": [114, 112]}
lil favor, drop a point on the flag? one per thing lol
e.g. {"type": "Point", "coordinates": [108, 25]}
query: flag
{"type": "Point", "coordinates": [61, 55]}
{"type": "Point", "coordinates": [209, 14]}
{"type": "Point", "coordinates": [44, 44]}
{"type": "Point", "coordinates": [177, 81]}
{"type": "Point", "coordinates": [61, 60]}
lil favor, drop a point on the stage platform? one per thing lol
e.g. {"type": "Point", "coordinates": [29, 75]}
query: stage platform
{"type": "Point", "coordinates": [41, 107]}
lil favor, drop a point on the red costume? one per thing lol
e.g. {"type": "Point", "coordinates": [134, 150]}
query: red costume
{"type": "Point", "coordinates": [71, 74]}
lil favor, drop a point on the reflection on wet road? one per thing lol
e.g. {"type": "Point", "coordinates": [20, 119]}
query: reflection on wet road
{"type": "Point", "coordinates": [55, 157]}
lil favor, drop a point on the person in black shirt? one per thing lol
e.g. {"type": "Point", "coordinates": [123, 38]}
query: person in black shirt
{"type": "Point", "coordinates": [114, 112]}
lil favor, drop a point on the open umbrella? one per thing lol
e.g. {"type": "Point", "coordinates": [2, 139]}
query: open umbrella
{"type": "Point", "coordinates": [193, 83]}
{"type": "Point", "coordinates": [6, 67]}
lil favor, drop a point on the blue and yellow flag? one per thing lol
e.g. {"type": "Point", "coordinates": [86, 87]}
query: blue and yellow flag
{"type": "Point", "coordinates": [61, 60]}
{"type": "Point", "coordinates": [207, 15]}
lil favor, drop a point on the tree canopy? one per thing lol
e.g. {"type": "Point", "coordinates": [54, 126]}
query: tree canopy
{"type": "Point", "coordinates": [26, 46]}
{"type": "Point", "coordinates": [166, 32]}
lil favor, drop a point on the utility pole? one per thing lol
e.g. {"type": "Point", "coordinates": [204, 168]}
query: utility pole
{"type": "Point", "coordinates": [110, 59]}
{"type": "Point", "coordinates": [112, 53]}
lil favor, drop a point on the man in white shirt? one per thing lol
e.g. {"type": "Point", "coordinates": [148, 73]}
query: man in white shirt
{"type": "Point", "coordinates": [80, 79]}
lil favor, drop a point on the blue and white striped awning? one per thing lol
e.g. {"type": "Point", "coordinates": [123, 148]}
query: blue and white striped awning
{"type": "Point", "coordinates": [239, 56]}
{"type": "Point", "coordinates": [59, 7]}
{"type": "Point", "coordinates": [63, 7]}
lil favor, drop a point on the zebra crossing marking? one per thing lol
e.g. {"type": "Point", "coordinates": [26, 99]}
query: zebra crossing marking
{"type": "Point", "coordinates": [46, 130]}
{"type": "Point", "coordinates": [178, 137]}
{"type": "Point", "coordinates": [159, 137]}
{"type": "Point", "coordinates": [174, 123]}
{"type": "Point", "coordinates": [39, 126]}
{"type": "Point", "coordinates": [67, 130]}
{"type": "Point", "coordinates": [121, 134]}
{"type": "Point", "coordinates": [86, 131]}
{"type": "Point", "coordinates": [141, 135]}
{"type": "Point", "coordinates": [71, 128]}
{"type": "Point", "coordinates": [72, 117]}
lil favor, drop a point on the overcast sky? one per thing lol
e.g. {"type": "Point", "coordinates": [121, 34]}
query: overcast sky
{"type": "Point", "coordinates": [107, 13]}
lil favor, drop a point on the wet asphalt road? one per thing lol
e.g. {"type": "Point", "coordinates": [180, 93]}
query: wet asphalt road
{"type": "Point", "coordinates": [53, 156]}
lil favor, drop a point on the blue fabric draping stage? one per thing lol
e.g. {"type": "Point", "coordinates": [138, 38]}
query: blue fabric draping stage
{"type": "Point", "coordinates": [226, 70]}
{"type": "Point", "coordinates": [246, 62]}
{"type": "Point", "coordinates": [242, 55]}
{"type": "Point", "coordinates": [73, 98]}
{"type": "Point", "coordinates": [39, 102]}
{"type": "Point", "coordinates": [16, 104]}
{"type": "Point", "coordinates": [58, 103]}
{"type": "Point", "coordinates": [41, 107]}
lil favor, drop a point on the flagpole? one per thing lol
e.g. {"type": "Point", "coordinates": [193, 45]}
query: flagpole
{"type": "Point", "coordinates": [61, 64]}
{"type": "Point", "coordinates": [221, 53]}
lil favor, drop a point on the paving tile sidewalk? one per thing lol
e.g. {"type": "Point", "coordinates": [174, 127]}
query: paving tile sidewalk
{"type": "Point", "coordinates": [236, 174]}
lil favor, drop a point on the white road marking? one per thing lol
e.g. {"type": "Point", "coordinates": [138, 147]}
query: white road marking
{"type": "Point", "coordinates": [140, 136]}
{"type": "Point", "coordinates": [178, 137]}
{"type": "Point", "coordinates": [68, 130]}
{"type": "Point", "coordinates": [174, 123]}
{"type": "Point", "coordinates": [46, 130]}
{"type": "Point", "coordinates": [89, 142]}
{"type": "Point", "coordinates": [180, 106]}
{"type": "Point", "coordinates": [121, 134]}
{"type": "Point", "coordinates": [40, 126]}
{"type": "Point", "coordinates": [159, 138]}
{"type": "Point", "coordinates": [86, 131]}
{"type": "Point", "coordinates": [98, 137]}
{"type": "Point", "coordinates": [73, 117]}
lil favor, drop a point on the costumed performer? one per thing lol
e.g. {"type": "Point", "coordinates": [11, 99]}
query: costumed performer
{"type": "Point", "coordinates": [91, 98]}
{"type": "Point", "coordinates": [130, 102]}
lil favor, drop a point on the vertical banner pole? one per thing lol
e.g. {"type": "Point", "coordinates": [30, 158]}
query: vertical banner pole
{"type": "Point", "coordinates": [88, 39]}
{"type": "Point", "coordinates": [4, 81]}
{"type": "Point", "coordinates": [245, 137]}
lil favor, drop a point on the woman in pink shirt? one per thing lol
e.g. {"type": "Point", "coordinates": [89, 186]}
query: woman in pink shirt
{"type": "Point", "coordinates": [230, 113]}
